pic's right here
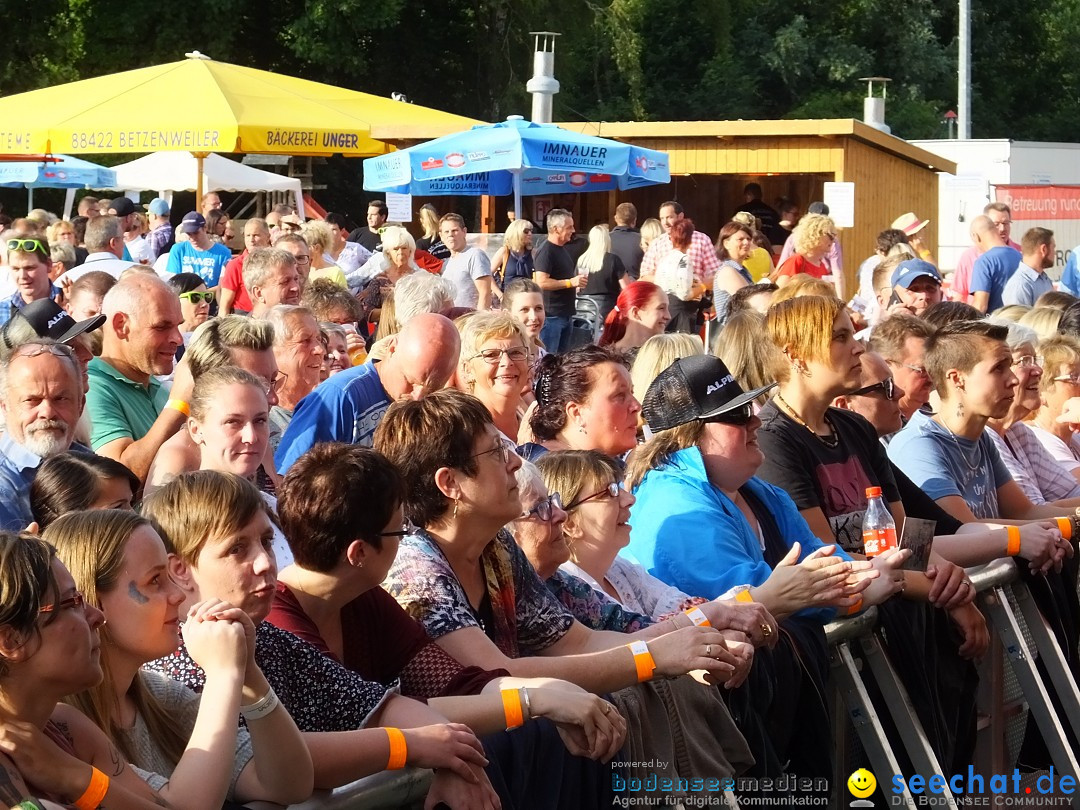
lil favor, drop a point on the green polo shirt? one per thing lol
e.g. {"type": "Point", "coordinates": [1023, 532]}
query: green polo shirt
{"type": "Point", "coordinates": [120, 408]}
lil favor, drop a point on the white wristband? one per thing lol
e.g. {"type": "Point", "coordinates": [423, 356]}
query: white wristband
{"type": "Point", "coordinates": [261, 707]}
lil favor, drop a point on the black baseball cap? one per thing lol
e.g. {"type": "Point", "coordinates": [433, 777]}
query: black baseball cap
{"type": "Point", "coordinates": [697, 387]}
{"type": "Point", "coordinates": [123, 206]}
{"type": "Point", "coordinates": [48, 319]}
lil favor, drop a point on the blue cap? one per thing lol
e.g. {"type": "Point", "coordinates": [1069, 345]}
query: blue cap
{"type": "Point", "coordinates": [158, 207]}
{"type": "Point", "coordinates": [192, 221]}
{"type": "Point", "coordinates": [912, 269]}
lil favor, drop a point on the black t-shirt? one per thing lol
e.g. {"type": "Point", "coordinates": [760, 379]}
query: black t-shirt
{"type": "Point", "coordinates": [832, 478]}
{"type": "Point", "coordinates": [626, 244]}
{"type": "Point", "coordinates": [770, 220]}
{"type": "Point", "coordinates": [556, 262]}
{"type": "Point", "coordinates": [605, 281]}
{"type": "Point", "coordinates": [364, 236]}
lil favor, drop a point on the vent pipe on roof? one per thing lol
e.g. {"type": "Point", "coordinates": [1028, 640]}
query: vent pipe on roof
{"type": "Point", "coordinates": [874, 106]}
{"type": "Point", "coordinates": [543, 85]}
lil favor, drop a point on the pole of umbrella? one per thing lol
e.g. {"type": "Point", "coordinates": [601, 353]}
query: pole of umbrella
{"type": "Point", "coordinates": [199, 156]}
{"type": "Point", "coordinates": [517, 193]}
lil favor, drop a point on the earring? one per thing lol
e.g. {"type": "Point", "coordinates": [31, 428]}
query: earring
{"type": "Point", "coordinates": [581, 428]}
{"type": "Point", "coordinates": [455, 508]}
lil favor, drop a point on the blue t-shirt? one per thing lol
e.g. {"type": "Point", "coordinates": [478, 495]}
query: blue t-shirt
{"type": "Point", "coordinates": [991, 272]}
{"type": "Point", "coordinates": [943, 464]}
{"type": "Point", "coordinates": [345, 408]}
{"type": "Point", "coordinates": [1070, 276]}
{"type": "Point", "coordinates": [186, 258]}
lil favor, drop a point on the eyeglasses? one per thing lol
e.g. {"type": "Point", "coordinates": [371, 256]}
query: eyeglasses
{"type": "Point", "coordinates": [28, 246]}
{"type": "Point", "coordinates": [527, 230]}
{"type": "Point", "coordinates": [1071, 379]}
{"type": "Point", "coordinates": [407, 528]}
{"type": "Point", "coordinates": [504, 448]}
{"type": "Point", "coordinates": [35, 349]}
{"type": "Point", "coordinates": [611, 490]}
{"type": "Point", "coordinates": [920, 370]}
{"type": "Point", "coordinates": [303, 259]}
{"type": "Point", "coordinates": [493, 356]}
{"type": "Point", "coordinates": [199, 297]}
{"type": "Point", "coordinates": [1027, 361]}
{"type": "Point", "coordinates": [740, 416]}
{"type": "Point", "coordinates": [76, 600]}
{"type": "Point", "coordinates": [886, 386]}
{"type": "Point", "coordinates": [545, 508]}
{"type": "Point", "coordinates": [278, 382]}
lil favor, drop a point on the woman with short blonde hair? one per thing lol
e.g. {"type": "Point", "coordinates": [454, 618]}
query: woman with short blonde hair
{"type": "Point", "coordinates": [656, 354]}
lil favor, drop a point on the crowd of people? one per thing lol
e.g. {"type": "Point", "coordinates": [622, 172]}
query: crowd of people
{"type": "Point", "coordinates": [351, 501]}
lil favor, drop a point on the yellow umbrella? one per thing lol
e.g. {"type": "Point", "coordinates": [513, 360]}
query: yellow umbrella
{"type": "Point", "coordinates": [198, 105]}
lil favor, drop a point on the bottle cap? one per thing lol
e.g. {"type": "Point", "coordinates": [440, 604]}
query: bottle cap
{"type": "Point", "coordinates": [873, 492]}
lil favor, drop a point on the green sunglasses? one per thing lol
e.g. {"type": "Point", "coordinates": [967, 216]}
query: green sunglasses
{"type": "Point", "coordinates": [199, 297]}
{"type": "Point", "coordinates": [28, 246]}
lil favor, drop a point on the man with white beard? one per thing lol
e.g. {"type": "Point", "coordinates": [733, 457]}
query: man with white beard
{"type": "Point", "coordinates": [41, 397]}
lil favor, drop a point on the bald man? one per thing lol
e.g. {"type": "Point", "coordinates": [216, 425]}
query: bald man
{"type": "Point", "coordinates": [348, 406]}
{"type": "Point", "coordinates": [131, 414]}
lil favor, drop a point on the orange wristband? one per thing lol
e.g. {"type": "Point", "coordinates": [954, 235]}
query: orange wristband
{"type": "Point", "coordinates": [512, 708]}
{"type": "Point", "coordinates": [744, 596]}
{"type": "Point", "coordinates": [398, 750]}
{"type": "Point", "coordinates": [1013, 548]}
{"type": "Point", "coordinates": [179, 405]}
{"type": "Point", "coordinates": [95, 791]}
{"type": "Point", "coordinates": [696, 615]}
{"type": "Point", "coordinates": [643, 660]}
{"type": "Point", "coordinates": [1065, 527]}
{"type": "Point", "coordinates": [855, 608]}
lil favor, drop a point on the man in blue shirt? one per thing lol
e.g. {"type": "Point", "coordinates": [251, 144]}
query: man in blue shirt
{"type": "Point", "coordinates": [198, 255]}
{"type": "Point", "coordinates": [349, 406]}
{"type": "Point", "coordinates": [41, 397]}
{"type": "Point", "coordinates": [993, 268]}
{"type": "Point", "coordinates": [1030, 280]}
{"type": "Point", "coordinates": [29, 261]}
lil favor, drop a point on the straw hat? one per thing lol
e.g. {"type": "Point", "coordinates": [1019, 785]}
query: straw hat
{"type": "Point", "coordinates": [909, 223]}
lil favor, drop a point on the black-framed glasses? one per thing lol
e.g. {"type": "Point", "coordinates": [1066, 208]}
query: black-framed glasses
{"type": "Point", "coordinates": [76, 600]}
{"type": "Point", "coordinates": [407, 528]}
{"type": "Point", "coordinates": [886, 386]}
{"type": "Point", "coordinates": [493, 356]}
{"type": "Point", "coordinates": [28, 246]}
{"type": "Point", "coordinates": [545, 509]}
{"type": "Point", "coordinates": [611, 490]}
{"type": "Point", "coordinates": [739, 416]}
{"type": "Point", "coordinates": [197, 297]}
{"type": "Point", "coordinates": [504, 447]}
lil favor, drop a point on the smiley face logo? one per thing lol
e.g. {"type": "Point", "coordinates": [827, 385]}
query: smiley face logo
{"type": "Point", "coordinates": [861, 783]}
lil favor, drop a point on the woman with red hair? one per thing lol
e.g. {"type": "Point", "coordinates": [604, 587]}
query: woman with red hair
{"type": "Point", "coordinates": [641, 311]}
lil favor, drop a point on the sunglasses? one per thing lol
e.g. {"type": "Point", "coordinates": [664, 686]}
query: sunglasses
{"type": "Point", "coordinates": [199, 297]}
{"type": "Point", "coordinates": [28, 246]}
{"type": "Point", "coordinates": [611, 490]}
{"type": "Point", "coordinates": [407, 528]}
{"type": "Point", "coordinates": [886, 386]}
{"type": "Point", "coordinates": [76, 600]}
{"type": "Point", "coordinates": [739, 416]}
{"type": "Point", "coordinates": [545, 508]}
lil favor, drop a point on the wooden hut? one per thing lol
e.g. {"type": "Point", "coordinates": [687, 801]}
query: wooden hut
{"type": "Point", "coordinates": [711, 161]}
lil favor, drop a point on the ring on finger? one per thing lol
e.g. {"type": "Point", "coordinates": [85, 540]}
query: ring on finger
{"type": "Point", "coordinates": [766, 630]}
{"type": "Point", "coordinates": [708, 650]}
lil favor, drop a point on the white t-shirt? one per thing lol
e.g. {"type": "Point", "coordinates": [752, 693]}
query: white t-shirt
{"type": "Point", "coordinates": [462, 271]}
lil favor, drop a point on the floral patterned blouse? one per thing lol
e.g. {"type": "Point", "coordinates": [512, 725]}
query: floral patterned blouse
{"type": "Point", "coordinates": [519, 614]}
{"type": "Point", "coordinates": [594, 608]}
{"type": "Point", "coordinates": [320, 693]}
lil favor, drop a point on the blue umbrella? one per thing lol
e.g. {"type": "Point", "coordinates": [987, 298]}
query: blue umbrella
{"type": "Point", "coordinates": [62, 172]}
{"type": "Point", "coordinates": [515, 156]}
{"type": "Point", "coordinates": [65, 172]}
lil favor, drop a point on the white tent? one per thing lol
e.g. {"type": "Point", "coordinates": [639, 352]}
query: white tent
{"type": "Point", "coordinates": [167, 172]}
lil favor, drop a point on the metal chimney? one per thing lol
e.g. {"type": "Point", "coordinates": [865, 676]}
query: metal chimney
{"type": "Point", "coordinates": [543, 85]}
{"type": "Point", "coordinates": [874, 106]}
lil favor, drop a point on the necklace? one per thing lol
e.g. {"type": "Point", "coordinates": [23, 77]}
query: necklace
{"type": "Point", "coordinates": [972, 468]}
{"type": "Point", "coordinates": [832, 440]}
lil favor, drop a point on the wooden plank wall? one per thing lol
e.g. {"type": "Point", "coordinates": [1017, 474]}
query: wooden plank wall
{"type": "Point", "coordinates": [886, 186]}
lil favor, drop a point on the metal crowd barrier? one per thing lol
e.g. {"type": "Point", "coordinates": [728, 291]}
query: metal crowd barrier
{"type": "Point", "coordinates": [993, 583]}
{"type": "Point", "coordinates": [380, 791]}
